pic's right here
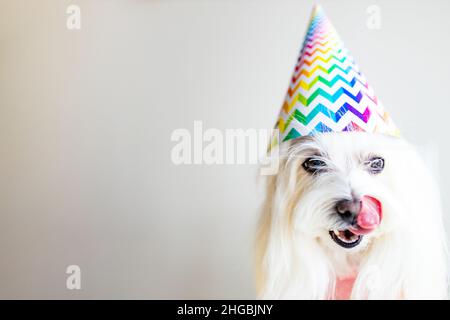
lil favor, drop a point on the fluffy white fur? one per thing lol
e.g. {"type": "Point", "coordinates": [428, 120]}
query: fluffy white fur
{"type": "Point", "coordinates": [404, 258]}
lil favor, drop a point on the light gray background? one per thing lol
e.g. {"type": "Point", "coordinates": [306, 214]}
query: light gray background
{"type": "Point", "coordinates": [86, 118]}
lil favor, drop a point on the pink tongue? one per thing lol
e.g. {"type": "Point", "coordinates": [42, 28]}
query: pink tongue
{"type": "Point", "coordinates": [370, 215]}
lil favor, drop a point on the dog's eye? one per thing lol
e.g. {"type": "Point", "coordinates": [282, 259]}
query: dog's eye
{"type": "Point", "coordinates": [313, 165]}
{"type": "Point", "coordinates": [375, 165]}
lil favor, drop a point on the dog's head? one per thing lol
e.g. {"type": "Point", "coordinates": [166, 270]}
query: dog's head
{"type": "Point", "coordinates": [351, 203]}
{"type": "Point", "coordinates": [341, 189]}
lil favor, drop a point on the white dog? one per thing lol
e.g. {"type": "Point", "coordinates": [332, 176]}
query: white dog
{"type": "Point", "coordinates": [351, 215]}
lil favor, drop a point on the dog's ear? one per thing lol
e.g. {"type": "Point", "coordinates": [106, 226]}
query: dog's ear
{"type": "Point", "coordinates": [275, 239]}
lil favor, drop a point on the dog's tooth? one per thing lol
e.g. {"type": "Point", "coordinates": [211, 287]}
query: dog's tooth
{"type": "Point", "coordinates": [336, 232]}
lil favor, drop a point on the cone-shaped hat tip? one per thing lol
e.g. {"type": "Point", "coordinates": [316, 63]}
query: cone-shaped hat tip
{"type": "Point", "coordinates": [316, 12]}
{"type": "Point", "coordinates": [317, 9]}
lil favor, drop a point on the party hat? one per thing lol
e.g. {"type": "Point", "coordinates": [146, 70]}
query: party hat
{"type": "Point", "coordinates": [327, 92]}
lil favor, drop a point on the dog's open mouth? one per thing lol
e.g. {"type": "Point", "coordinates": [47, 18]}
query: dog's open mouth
{"type": "Point", "coordinates": [346, 238]}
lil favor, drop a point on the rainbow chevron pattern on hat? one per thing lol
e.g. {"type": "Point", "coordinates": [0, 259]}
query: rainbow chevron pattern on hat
{"type": "Point", "coordinates": [327, 92]}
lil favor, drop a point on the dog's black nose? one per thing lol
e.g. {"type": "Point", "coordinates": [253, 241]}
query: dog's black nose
{"type": "Point", "coordinates": [349, 209]}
